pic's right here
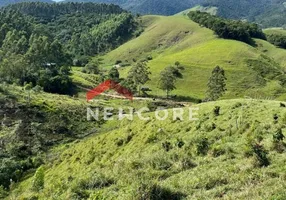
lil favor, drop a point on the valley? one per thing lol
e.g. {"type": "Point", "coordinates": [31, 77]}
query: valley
{"type": "Point", "coordinates": [231, 72]}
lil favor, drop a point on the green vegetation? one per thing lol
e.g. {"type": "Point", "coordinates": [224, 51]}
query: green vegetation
{"type": "Point", "coordinates": [7, 2]}
{"type": "Point", "coordinates": [228, 29]}
{"type": "Point", "coordinates": [39, 180]}
{"type": "Point", "coordinates": [276, 37]}
{"type": "Point", "coordinates": [214, 157]}
{"type": "Point", "coordinates": [167, 80]}
{"type": "Point", "coordinates": [50, 150]}
{"type": "Point", "coordinates": [216, 84]}
{"type": "Point", "coordinates": [176, 38]}
{"type": "Point", "coordinates": [138, 76]}
{"type": "Point", "coordinates": [39, 41]}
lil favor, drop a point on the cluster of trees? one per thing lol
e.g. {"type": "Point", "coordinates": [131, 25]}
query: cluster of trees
{"type": "Point", "coordinates": [228, 29]}
{"type": "Point", "coordinates": [278, 40]}
{"type": "Point", "coordinates": [139, 75]}
{"type": "Point", "coordinates": [38, 41]}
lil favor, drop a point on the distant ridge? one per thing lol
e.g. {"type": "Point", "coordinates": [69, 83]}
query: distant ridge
{"type": "Point", "coordinates": [7, 2]}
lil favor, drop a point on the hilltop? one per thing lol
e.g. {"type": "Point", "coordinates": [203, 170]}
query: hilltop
{"type": "Point", "coordinates": [251, 70]}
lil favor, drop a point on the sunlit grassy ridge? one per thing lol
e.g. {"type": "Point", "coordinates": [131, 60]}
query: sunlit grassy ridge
{"type": "Point", "coordinates": [159, 159]}
{"type": "Point", "coordinates": [275, 31]}
{"type": "Point", "coordinates": [177, 38]}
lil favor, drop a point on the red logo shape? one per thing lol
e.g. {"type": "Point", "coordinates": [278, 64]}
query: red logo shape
{"type": "Point", "coordinates": [106, 85]}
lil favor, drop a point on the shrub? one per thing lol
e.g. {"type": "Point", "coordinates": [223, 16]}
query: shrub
{"type": "Point", "coordinates": [167, 146]}
{"type": "Point", "coordinates": [278, 143]}
{"type": "Point", "coordinates": [95, 181]}
{"type": "Point", "coordinates": [156, 192]}
{"type": "Point", "coordinates": [149, 57]}
{"type": "Point", "coordinates": [260, 155]}
{"type": "Point", "coordinates": [39, 179]}
{"type": "Point", "coordinates": [152, 138]}
{"type": "Point", "coordinates": [202, 146]}
{"type": "Point", "coordinates": [216, 111]}
{"type": "Point", "coordinates": [3, 192]}
{"type": "Point", "coordinates": [275, 117]}
{"type": "Point", "coordinates": [218, 151]}
{"type": "Point", "coordinates": [128, 138]}
{"type": "Point", "coordinates": [117, 62]}
{"type": "Point", "coordinates": [119, 142]}
{"type": "Point", "coordinates": [180, 143]}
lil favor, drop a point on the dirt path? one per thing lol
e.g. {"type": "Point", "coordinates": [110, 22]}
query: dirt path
{"type": "Point", "coordinates": [141, 98]}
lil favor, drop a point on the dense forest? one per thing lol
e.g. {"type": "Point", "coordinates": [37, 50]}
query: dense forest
{"type": "Point", "coordinates": [268, 13]}
{"type": "Point", "coordinates": [39, 41]}
{"type": "Point", "coordinates": [7, 2]}
{"type": "Point", "coordinates": [161, 7]}
{"type": "Point", "coordinates": [228, 29]}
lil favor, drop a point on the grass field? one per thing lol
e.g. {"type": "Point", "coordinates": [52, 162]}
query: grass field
{"type": "Point", "coordinates": [211, 158]}
{"type": "Point", "coordinates": [275, 31]}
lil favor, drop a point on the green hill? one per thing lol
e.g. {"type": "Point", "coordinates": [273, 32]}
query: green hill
{"type": "Point", "coordinates": [215, 157]}
{"type": "Point", "coordinates": [251, 71]}
{"type": "Point", "coordinates": [279, 31]}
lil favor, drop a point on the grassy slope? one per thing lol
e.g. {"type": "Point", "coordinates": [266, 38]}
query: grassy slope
{"type": "Point", "coordinates": [130, 162]}
{"type": "Point", "coordinates": [275, 31]}
{"type": "Point", "coordinates": [176, 38]}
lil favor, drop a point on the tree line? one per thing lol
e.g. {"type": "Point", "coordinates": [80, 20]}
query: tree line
{"type": "Point", "coordinates": [139, 74]}
{"type": "Point", "coordinates": [278, 40]}
{"type": "Point", "coordinates": [228, 29]}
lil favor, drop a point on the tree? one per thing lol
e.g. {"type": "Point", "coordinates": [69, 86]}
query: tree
{"type": "Point", "coordinates": [92, 68]}
{"type": "Point", "coordinates": [113, 74]}
{"type": "Point", "coordinates": [216, 84]}
{"type": "Point", "coordinates": [177, 63]}
{"type": "Point", "coordinates": [139, 75]}
{"type": "Point", "coordinates": [39, 179]}
{"type": "Point", "coordinates": [167, 80]}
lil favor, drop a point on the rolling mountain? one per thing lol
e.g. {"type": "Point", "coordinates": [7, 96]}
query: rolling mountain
{"type": "Point", "coordinates": [266, 12]}
{"type": "Point", "coordinates": [162, 7]}
{"type": "Point", "coordinates": [7, 2]}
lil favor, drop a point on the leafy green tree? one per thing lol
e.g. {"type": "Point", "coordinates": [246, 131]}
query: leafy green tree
{"type": "Point", "coordinates": [167, 80]}
{"type": "Point", "coordinates": [177, 63]}
{"type": "Point", "coordinates": [3, 192]}
{"type": "Point", "coordinates": [113, 74]}
{"type": "Point", "coordinates": [216, 84]}
{"type": "Point", "coordinates": [39, 179]}
{"type": "Point", "coordinates": [139, 75]}
{"type": "Point", "coordinates": [92, 68]}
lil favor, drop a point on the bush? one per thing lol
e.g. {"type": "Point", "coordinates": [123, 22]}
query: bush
{"type": "Point", "coordinates": [260, 155]}
{"type": "Point", "coordinates": [39, 179]}
{"type": "Point", "coordinates": [151, 139]}
{"type": "Point", "coordinates": [278, 143]}
{"type": "Point", "coordinates": [156, 192]}
{"type": "Point", "coordinates": [95, 181]}
{"type": "Point", "coordinates": [180, 143]}
{"type": "Point", "coordinates": [202, 146]}
{"type": "Point", "coordinates": [167, 146]}
{"type": "Point", "coordinates": [3, 192]}
{"type": "Point", "coordinates": [119, 142]}
{"type": "Point", "coordinates": [216, 111]}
